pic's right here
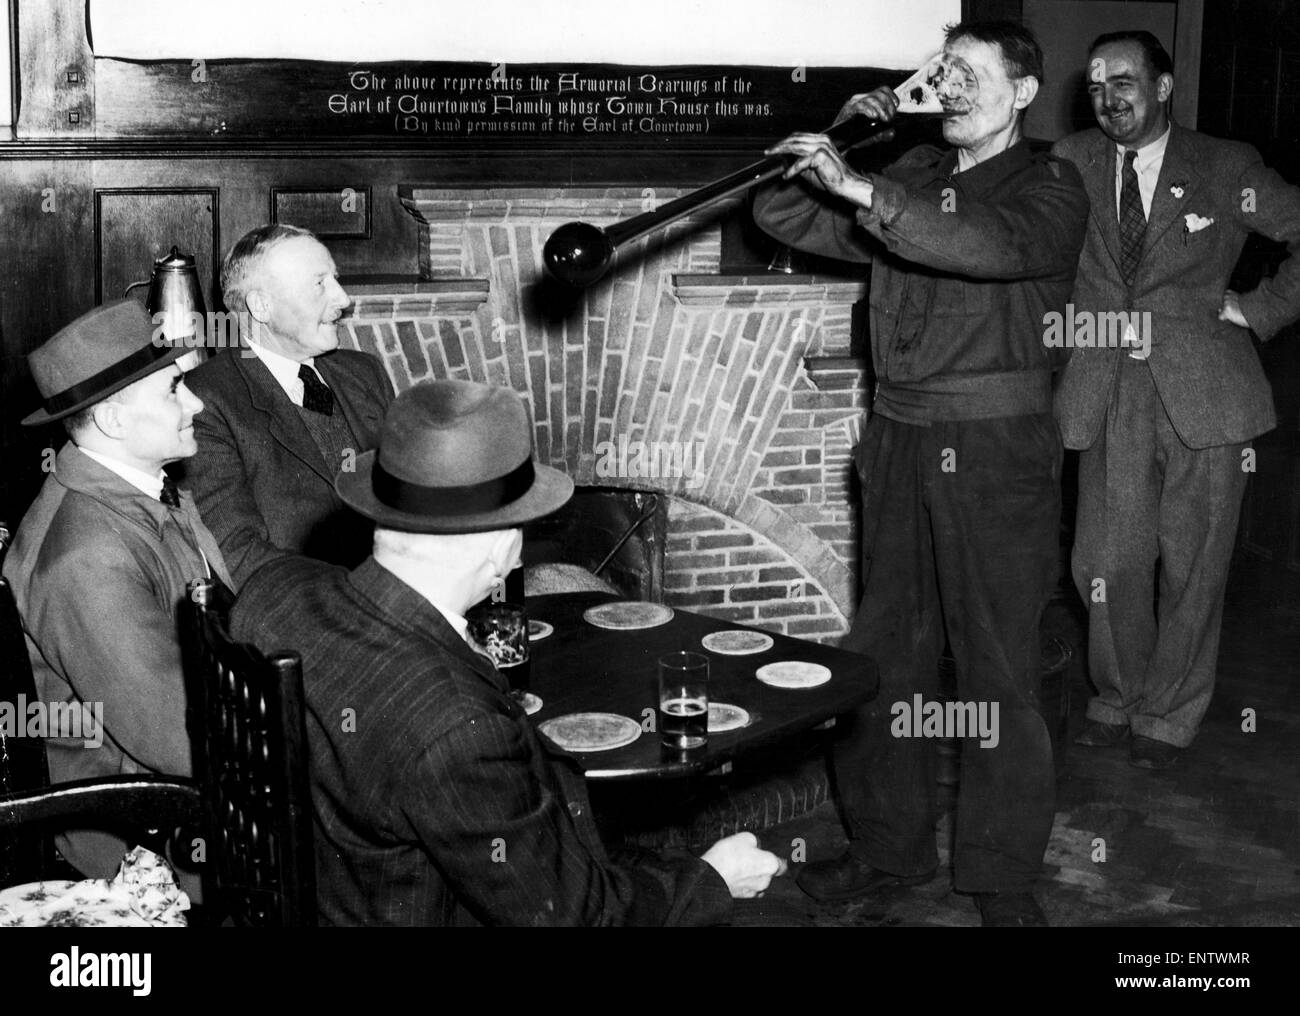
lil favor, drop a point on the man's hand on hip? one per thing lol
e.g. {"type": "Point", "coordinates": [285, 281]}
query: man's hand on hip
{"type": "Point", "coordinates": [1230, 311]}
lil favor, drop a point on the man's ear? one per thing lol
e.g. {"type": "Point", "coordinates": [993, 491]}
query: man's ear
{"type": "Point", "coordinates": [259, 305]}
{"type": "Point", "coordinates": [1026, 89]}
{"type": "Point", "coordinates": [1164, 87]}
{"type": "Point", "coordinates": [506, 547]}
{"type": "Point", "coordinates": [108, 418]}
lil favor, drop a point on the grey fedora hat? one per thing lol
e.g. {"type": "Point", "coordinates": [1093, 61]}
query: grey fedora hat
{"type": "Point", "coordinates": [453, 457]}
{"type": "Point", "coordinates": [98, 354]}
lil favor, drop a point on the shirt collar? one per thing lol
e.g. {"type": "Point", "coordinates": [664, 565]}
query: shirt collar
{"type": "Point", "coordinates": [984, 176]}
{"type": "Point", "coordinates": [137, 478]}
{"type": "Point", "coordinates": [1148, 154]}
{"type": "Point", "coordinates": [407, 606]}
{"type": "Point", "coordinates": [457, 621]}
{"type": "Point", "coordinates": [76, 470]}
{"type": "Point", "coordinates": [284, 370]}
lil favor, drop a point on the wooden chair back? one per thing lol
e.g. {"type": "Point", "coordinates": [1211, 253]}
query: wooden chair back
{"type": "Point", "coordinates": [248, 729]}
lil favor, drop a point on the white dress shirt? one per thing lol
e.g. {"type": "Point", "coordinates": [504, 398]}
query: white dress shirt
{"type": "Point", "coordinates": [457, 621]}
{"type": "Point", "coordinates": [149, 485]}
{"type": "Point", "coordinates": [1146, 166]}
{"type": "Point", "coordinates": [284, 370]}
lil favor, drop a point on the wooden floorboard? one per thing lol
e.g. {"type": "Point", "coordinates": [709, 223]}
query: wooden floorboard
{"type": "Point", "coordinates": [1214, 842]}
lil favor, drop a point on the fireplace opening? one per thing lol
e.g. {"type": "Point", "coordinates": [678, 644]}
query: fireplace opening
{"type": "Point", "coordinates": [614, 534]}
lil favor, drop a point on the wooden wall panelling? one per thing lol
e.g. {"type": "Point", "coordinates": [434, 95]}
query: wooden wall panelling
{"type": "Point", "coordinates": [1254, 93]}
{"type": "Point", "coordinates": [56, 70]}
{"type": "Point", "coordinates": [333, 213]}
{"type": "Point", "coordinates": [1187, 62]}
{"type": "Point", "coordinates": [134, 227]}
{"type": "Point", "coordinates": [382, 240]}
{"type": "Point", "coordinates": [1250, 77]}
{"type": "Point", "coordinates": [46, 253]}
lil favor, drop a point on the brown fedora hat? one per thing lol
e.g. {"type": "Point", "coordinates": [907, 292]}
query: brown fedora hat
{"type": "Point", "coordinates": [98, 354]}
{"type": "Point", "coordinates": [453, 457]}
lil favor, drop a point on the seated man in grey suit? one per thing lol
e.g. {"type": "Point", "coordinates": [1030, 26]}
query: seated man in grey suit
{"type": "Point", "coordinates": [103, 556]}
{"type": "Point", "coordinates": [286, 411]}
{"type": "Point", "coordinates": [435, 801]}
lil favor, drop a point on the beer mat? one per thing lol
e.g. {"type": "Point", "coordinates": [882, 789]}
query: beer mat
{"type": "Point", "coordinates": [591, 731]}
{"type": "Point", "coordinates": [627, 615]}
{"type": "Point", "coordinates": [538, 630]}
{"type": "Point", "coordinates": [737, 642]}
{"type": "Point", "coordinates": [530, 703]}
{"type": "Point", "coordinates": [793, 674]}
{"type": "Point", "coordinates": [724, 717]}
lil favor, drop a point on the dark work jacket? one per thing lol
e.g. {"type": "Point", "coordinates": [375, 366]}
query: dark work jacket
{"type": "Point", "coordinates": [435, 802]}
{"type": "Point", "coordinates": [965, 268]}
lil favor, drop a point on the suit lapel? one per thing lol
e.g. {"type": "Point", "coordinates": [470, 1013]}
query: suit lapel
{"type": "Point", "coordinates": [206, 542]}
{"type": "Point", "coordinates": [1177, 169]}
{"type": "Point", "coordinates": [284, 424]}
{"type": "Point", "coordinates": [350, 396]}
{"type": "Point", "coordinates": [1099, 181]}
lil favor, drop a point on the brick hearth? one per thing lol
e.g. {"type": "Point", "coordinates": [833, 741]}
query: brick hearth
{"type": "Point", "coordinates": [750, 372]}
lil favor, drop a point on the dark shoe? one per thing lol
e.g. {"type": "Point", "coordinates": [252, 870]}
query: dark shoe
{"type": "Point", "coordinates": [847, 878]}
{"type": "Point", "coordinates": [1010, 910]}
{"type": "Point", "coordinates": [1096, 734]}
{"type": "Point", "coordinates": [1148, 753]}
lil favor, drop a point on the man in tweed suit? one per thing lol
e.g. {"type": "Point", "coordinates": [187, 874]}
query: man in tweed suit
{"type": "Point", "coordinates": [436, 803]}
{"type": "Point", "coordinates": [1163, 415]}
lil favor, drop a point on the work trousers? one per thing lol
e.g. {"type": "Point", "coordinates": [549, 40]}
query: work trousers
{"type": "Point", "coordinates": [960, 531]}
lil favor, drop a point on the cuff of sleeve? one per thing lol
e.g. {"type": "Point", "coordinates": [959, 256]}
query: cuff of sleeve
{"type": "Point", "coordinates": [888, 199]}
{"type": "Point", "coordinates": [1255, 308]}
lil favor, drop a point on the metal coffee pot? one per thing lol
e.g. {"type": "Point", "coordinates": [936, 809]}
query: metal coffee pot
{"type": "Point", "coordinates": [174, 291]}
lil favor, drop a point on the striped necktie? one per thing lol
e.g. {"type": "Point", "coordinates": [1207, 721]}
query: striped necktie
{"type": "Point", "coordinates": [1132, 220]}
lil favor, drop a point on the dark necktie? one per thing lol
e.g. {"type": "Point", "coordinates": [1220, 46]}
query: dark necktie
{"type": "Point", "coordinates": [171, 495]}
{"type": "Point", "coordinates": [316, 394]}
{"type": "Point", "coordinates": [1132, 220]}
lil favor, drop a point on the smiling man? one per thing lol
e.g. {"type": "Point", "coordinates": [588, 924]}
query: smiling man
{"type": "Point", "coordinates": [285, 412]}
{"type": "Point", "coordinates": [1164, 429]}
{"type": "Point", "coordinates": [960, 463]}
{"type": "Point", "coordinates": [102, 557]}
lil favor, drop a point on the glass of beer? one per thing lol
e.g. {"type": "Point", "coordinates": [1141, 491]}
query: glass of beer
{"type": "Point", "coordinates": [502, 630]}
{"type": "Point", "coordinates": [684, 700]}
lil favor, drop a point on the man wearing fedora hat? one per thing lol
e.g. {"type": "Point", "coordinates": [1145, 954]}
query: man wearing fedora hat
{"type": "Point", "coordinates": [102, 557]}
{"type": "Point", "coordinates": [286, 410]}
{"type": "Point", "coordinates": [435, 801]}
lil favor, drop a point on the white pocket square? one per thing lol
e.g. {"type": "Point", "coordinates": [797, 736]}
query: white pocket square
{"type": "Point", "coordinates": [1195, 223]}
